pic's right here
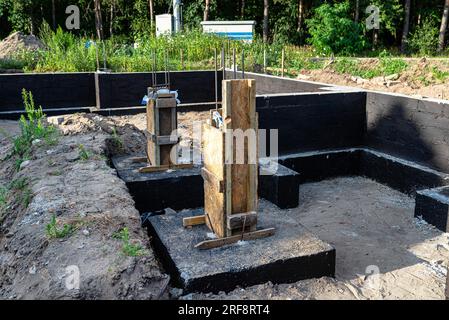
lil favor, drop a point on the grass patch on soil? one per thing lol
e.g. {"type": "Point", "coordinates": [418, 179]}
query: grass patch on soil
{"type": "Point", "coordinates": [385, 66]}
{"type": "Point", "coordinates": [33, 127]}
{"type": "Point", "coordinates": [54, 231]}
{"type": "Point", "coordinates": [128, 248]}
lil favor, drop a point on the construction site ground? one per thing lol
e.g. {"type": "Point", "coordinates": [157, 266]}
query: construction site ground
{"type": "Point", "coordinates": [383, 252]}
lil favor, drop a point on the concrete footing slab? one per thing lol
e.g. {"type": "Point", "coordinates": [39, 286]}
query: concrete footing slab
{"type": "Point", "coordinates": [292, 254]}
{"type": "Point", "coordinates": [433, 206]}
{"type": "Point", "coordinates": [183, 188]}
{"type": "Point", "coordinates": [176, 189]}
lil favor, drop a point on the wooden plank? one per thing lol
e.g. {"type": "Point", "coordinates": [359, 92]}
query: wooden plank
{"type": "Point", "coordinates": [163, 140]}
{"type": "Point", "coordinates": [213, 150]}
{"type": "Point", "coordinates": [213, 156]}
{"type": "Point", "coordinates": [227, 126]}
{"type": "Point", "coordinates": [194, 221]}
{"type": "Point", "coordinates": [215, 243]}
{"type": "Point", "coordinates": [165, 122]}
{"type": "Point", "coordinates": [236, 221]}
{"type": "Point", "coordinates": [153, 152]}
{"type": "Point", "coordinates": [164, 167]}
{"type": "Point", "coordinates": [165, 95]}
{"type": "Point", "coordinates": [212, 180]}
{"type": "Point", "coordinates": [166, 103]}
{"type": "Point", "coordinates": [239, 112]}
{"type": "Point", "coordinates": [138, 159]}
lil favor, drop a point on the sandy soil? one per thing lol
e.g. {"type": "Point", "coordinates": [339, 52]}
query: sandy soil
{"type": "Point", "coordinates": [418, 80]}
{"type": "Point", "coordinates": [371, 226]}
{"type": "Point", "coordinates": [88, 195]}
{"type": "Point", "coordinates": [382, 251]}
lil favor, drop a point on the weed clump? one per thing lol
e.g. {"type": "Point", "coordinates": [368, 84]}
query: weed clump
{"type": "Point", "coordinates": [33, 126]}
{"type": "Point", "coordinates": [53, 231]}
{"type": "Point", "coordinates": [128, 248]}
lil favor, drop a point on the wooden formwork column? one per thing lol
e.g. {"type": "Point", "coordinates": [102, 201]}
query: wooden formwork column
{"type": "Point", "coordinates": [161, 123]}
{"type": "Point", "coordinates": [231, 162]}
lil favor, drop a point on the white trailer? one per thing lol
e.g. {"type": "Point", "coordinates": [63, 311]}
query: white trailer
{"type": "Point", "coordinates": [236, 30]}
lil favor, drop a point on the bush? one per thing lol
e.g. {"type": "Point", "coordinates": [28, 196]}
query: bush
{"type": "Point", "coordinates": [424, 40]}
{"type": "Point", "coordinates": [333, 31]}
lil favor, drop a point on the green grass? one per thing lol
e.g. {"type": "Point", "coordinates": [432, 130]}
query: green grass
{"type": "Point", "coordinates": [83, 153]}
{"type": "Point", "coordinates": [439, 75]}
{"type": "Point", "coordinates": [3, 196]}
{"type": "Point", "coordinates": [12, 64]}
{"type": "Point", "coordinates": [54, 231]}
{"type": "Point", "coordinates": [17, 191]}
{"type": "Point", "coordinates": [128, 248]}
{"type": "Point", "coordinates": [21, 187]}
{"type": "Point", "coordinates": [116, 138]}
{"type": "Point", "coordinates": [384, 67]}
{"type": "Point", "coordinates": [32, 126]}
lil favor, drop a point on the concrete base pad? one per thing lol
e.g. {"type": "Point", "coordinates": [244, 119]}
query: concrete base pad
{"type": "Point", "coordinates": [433, 206]}
{"type": "Point", "coordinates": [292, 254]}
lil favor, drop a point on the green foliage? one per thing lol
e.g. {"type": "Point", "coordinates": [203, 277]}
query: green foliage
{"type": "Point", "coordinates": [3, 196]}
{"type": "Point", "coordinates": [12, 64]}
{"type": "Point", "coordinates": [333, 31]}
{"type": "Point", "coordinates": [424, 40]}
{"type": "Point", "coordinates": [17, 191]}
{"type": "Point", "coordinates": [22, 191]}
{"type": "Point", "coordinates": [117, 140]}
{"type": "Point", "coordinates": [53, 231]}
{"type": "Point", "coordinates": [439, 75]}
{"type": "Point", "coordinates": [33, 126]}
{"type": "Point", "coordinates": [83, 153]}
{"type": "Point", "coordinates": [384, 67]}
{"type": "Point", "coordinates": [128, 248]}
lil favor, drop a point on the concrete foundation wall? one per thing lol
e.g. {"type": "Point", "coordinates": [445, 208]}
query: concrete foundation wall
{"type": "Point", "coordinates": [267, 84]}
{"type": "Point", "coordinates": [409, 128]}
{"type": "Point", "coordinates": [77, 90]}
{"type": "Point", "coordinates": [51, 90]}
{"type": "Point", "coordinates": [118, 90]}
{"type": "Point", "coordinates": [314, 121]}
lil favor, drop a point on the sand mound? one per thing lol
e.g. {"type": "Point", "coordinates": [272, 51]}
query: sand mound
{"type": "Point", "coordinates": [17, 42]}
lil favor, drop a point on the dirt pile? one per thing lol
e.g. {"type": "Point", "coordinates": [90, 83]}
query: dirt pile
{"type": "Point", "coordinates": [69, 183]}
{"type": "Point", "coordinates": [18, 42]}
{"type": "Point", "coordinates": [423, 78]}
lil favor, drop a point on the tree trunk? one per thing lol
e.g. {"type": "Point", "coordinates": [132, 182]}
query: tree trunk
{"type": "Point", "coordinates": [265, 21]}
{"type": "Point", "coordinates": [300, 14]}
{"type": "Point", "coordinates": [111, 22]}
{"type": "Point", "coordinates": [53, 13]}
{"type": "Point", "coordinates": [357, 11]}
{"type": "Point", "coordinates": [406, 26]}
{"type": "Point", "coordinates": [242, 9]}
{"type": "Point", "coordinates": [444, 20]}
{"type": "Point", "coordinates": [206, 11]}
{"type": "Point", "coordinates": [151, 10]}
{"type": "Point", "coordinates": [375, 38]}
{"type": "Point", "coordinates": [98, 19]}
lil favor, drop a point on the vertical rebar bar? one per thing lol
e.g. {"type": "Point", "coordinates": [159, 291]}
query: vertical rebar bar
{"type": "Point", "coordinates": [243, 64]}
{"type": "Point", "coordinates": [282, 62]}
{"type": "Point", "coordinates": [165, 70]}
{"type": "Point", "coordinates": [154, 69]}
{"type": "Point", "coordinates": [216, 79]}
{"type": "Point", "coordinates": [235, 63]}
{"type": "Point", "coordinates": [223, 62]}
{"type": "Point", "coordinates": [182, 59]}
{"type": "Point", "coordinates": [265, 60]}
